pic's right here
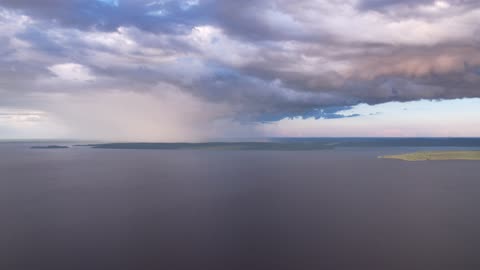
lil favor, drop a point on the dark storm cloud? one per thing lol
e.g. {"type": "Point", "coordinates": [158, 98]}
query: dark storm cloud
{"type": "Point", "coordinates": [384, 4]}
{"type": "Point", "coordinates": [86, 14]}
{"type": "Point", "coordinates": [380, 4]}
{"type": "Point", "coordinates": [256, 19]}
{"type": "Point", "coordinates": [326, 113]}
{"type": "Point", "coordinates": [267, 59]}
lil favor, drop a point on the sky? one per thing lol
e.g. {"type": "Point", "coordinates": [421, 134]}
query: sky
{"type": "Point", "coordinates": [196, 70]}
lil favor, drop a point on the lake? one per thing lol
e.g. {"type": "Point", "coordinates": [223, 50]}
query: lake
{"type": "Point", "coordinates": [343, 208]}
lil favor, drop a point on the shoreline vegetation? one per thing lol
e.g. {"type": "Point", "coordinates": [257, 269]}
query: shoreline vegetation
{"type": "Point", "coordinates": [50, 147]}
{"type": "Point", "coordinates": [436, 155]}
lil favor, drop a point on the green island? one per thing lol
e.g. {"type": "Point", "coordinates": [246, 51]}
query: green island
{"type": "Point", "coordinates": [437, 155]}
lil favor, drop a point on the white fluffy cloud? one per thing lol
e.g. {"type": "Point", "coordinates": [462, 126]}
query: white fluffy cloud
{"type": "Point", "coordinates": [72, 72]}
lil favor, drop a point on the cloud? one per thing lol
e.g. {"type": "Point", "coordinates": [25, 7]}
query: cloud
{"type": "Point", "coordinates": [256, 60]}
{"type": "Point", "coordinates": [71, 72]}
{"type": "Point", "coordinates": [431, 5]}
{"type": "Point", "coordinates": [113, 3]}
{"type": "Point", "coordinates": [21, 123]}
{"type": "Point", "coordinates": [20, 116]}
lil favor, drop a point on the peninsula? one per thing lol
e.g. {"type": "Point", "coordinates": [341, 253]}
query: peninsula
{"type": "Point", "coordinates": [437, 155]}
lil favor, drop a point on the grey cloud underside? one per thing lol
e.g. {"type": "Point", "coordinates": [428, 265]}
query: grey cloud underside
{"type": "Point", "coordinates": [386, 4]}
{"type": "Point", "coordinates": [85, 14]}
{"type": "Point", "coordinates": [266, 59]}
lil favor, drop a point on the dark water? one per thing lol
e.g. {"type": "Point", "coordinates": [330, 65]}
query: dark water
{"type": "Point", "coordinates": [89, 209]}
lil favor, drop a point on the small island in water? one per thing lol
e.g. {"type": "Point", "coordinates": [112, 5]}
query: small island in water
{"type": "Point", "coordinates": [437, 155]}
{"type": "Point", "coordinates": [50, 147]}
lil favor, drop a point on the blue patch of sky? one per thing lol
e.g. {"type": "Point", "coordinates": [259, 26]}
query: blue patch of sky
{"type": "Point", "coordinates": [446, 109]}
{"type": "Point", "coordinates": [113, 3]}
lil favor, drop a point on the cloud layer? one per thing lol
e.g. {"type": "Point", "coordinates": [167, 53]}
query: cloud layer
{"type": "Point", "coordinates": [236, 62]}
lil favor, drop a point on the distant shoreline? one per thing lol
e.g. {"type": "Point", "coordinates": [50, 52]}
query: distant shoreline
{"type": "Point", "coordinates": [50, 147]}
{"type": "Point", "coordinates": [293, 144]}
{"type": "Point", "coordinates": [436, 155]}
{"type": "Point", "coordinates": [298, 144]}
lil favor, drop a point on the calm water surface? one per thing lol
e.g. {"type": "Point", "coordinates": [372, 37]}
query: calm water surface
{"type": "Point", "coordinates": [90, 209]}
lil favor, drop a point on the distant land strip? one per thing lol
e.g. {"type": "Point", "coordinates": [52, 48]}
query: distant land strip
{"type": "Point", "coordinates": [300, 144]}
{"type": "Point", "coordinates": [50, 147]}
{"type": "Point", "coordinates": [437, 155]}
